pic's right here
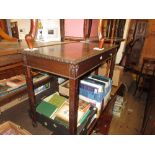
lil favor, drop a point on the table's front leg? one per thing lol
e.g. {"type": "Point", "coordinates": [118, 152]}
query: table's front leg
{"type": "Point", "coordinates": [31, 95]}
{"type": "Point", "coordinates": [112, 66]}
{"type": "Point", "coordinates": [73, 105]}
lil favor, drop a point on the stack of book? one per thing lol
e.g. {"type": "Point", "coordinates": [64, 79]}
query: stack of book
{"type": "Point", "coordinates": [56, 107]}
{"type": "Point", "coordinates": [19, 82]}
{"type": "Point", "coordinates": [16, 81]}
{"type": "Point", "coordinates": [117, 109]}
{"type": "Point", "coordinates": [95, 89]}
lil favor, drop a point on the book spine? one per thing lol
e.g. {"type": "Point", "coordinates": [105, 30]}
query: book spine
{"type": "Point", "coordinates": [84, 117]}
{"type": "Point", "coordinates": [102, 78]}
{"type": "Point", "coordinates": [90, 83]}
{"type": "Point", "coordinates": [96, 97]}
{"type": "Point", "coordinates": [88, 87]}
{"type": "Point", "coordinates": [93, 102]}
{"type": "Point", "coordinates": [106, 83]}
{"type": "Point", "coordinates": [98, 83]}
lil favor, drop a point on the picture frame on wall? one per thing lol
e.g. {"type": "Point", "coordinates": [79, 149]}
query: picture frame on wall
{"type": "Point", "coordinates": [48, 30]}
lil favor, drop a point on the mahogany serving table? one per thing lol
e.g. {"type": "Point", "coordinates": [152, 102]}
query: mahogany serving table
{"type": "Point", "coordinates": [70, 60]}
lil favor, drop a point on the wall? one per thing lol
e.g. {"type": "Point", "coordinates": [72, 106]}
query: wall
{"type": "Point", "coordinates": [23, 27]}
{"type": "Point", "coordinates": [123, 44]}
{"type": "Point", "coordinates": [74, 27]}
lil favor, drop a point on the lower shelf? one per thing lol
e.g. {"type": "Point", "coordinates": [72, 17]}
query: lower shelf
{"type": "Point", "coordinates": [60, 129]}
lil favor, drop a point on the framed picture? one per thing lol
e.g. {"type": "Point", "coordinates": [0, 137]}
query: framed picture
{"type": "Point", "coordinates": [48, 30]}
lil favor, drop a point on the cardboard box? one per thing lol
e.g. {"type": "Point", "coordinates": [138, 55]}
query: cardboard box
{"type": "Point", "coordinates": [64, 88]}
{"type": "Point", "coordinates": [117, 75]}
{"type": "Point", "coordinates": [10, 128]}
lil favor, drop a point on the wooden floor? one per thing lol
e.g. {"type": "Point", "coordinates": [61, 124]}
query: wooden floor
{"type": "Point", "coordinates": [130, 120]}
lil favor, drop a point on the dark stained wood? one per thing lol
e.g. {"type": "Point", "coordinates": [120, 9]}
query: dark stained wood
{"type": "Point", "coordinates": [71, 60]}
{"type": "Point", "coordinates": [30, 88]}
{"type": "Point", "coordinates": [103, 122]}
{"type": "Point", "coordinates": [87, 28]}
{"type": "Point", "coordinates": [11, 70]}
{"type": "Point", "coordinates": [10, 59]}
{"type": "Point", "coordinates": [31, 36]}
{"type": "Point", "coordinates": [84, 58]}
{"type": "Point", "coordinates": [112, 66]}
{"type": "Point", "coordinates": [62, 29]}
{"type": "Point", "coordinates": [113, 31]}
{"type": "Point", "coordinates": [73, 105]}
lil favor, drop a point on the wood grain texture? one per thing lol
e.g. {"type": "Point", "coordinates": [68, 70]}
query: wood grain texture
{"type": "Point", "coordinates": [31, 36]}
{"type": "Point", "coordinates": [149, 46]}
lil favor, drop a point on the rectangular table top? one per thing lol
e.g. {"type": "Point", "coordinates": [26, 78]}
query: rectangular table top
{"type": "Point", "coordinates": [72, 53]}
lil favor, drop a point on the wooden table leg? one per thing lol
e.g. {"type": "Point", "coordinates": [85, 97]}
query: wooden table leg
{"type": "Point", "coordinates": [30, 89]}
{"type": "Point", "coordinates": [96, 71]}
{"type": "Point", "coordinates": [112, 66]}
{"type": "Point", "coordinates": [73, 105]}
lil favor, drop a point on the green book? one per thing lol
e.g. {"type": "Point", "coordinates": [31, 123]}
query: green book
{"type": "Point", "coordinates": [46, 109]}
{"type": "Point", "coordinates": [56, 100]}
{"type": "Point", "coordinates": [84, 117]}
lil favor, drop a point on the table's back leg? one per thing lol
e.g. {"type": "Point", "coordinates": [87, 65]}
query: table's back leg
{"type": "Point", "coordinates": [31, 95]}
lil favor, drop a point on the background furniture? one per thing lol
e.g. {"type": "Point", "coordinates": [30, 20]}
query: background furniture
{"type": "Point", "coordinates": [145, 73]}
{"type": "Point", "coordinates": [148, 127]}
{"type": "Point", "coordinates": [137, 34]}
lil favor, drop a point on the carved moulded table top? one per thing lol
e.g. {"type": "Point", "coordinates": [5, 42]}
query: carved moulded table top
{"type": "Point", "coordinates": [72, 53]}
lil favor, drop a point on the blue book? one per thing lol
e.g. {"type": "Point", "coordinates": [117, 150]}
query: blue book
{"type": "Point", "coordinates": [94, 83]}
{"type": "Point", "coordinates": [89, 88]}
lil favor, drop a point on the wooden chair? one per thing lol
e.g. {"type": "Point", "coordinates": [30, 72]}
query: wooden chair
{"type": "Point", "coordinates": [146, 72]}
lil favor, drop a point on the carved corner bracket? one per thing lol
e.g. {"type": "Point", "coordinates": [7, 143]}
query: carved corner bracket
{"type": "Point", "coordinates": [74, 70]}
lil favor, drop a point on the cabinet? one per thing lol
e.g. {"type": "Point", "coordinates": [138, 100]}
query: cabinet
{"type": "Point", "coordinates": [69, 60]}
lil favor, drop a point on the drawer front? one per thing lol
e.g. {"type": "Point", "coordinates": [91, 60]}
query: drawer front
{"type": "Point", "coordinates": [10, 59]}
{"type": "Point", "coordinates": [52, 125]}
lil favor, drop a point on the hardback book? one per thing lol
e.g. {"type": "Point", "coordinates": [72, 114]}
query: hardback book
{"type": "Point", "coordinates": [94, 97]}
{"type": "Point", "coordinates": [84, 106]}
{"type": "Point", "coordinates": [93, 83]}
{"type": "Point", "coordinates": [100, 78]}
{"type": "Point", "coordinates": [63, 113]}
{"type": "Point", "coordinates": [46, 109]}
{"type": "Point", "coordinates": [62, 116]}
{"type": "Point", "coordinates": [56, 99]}
{"type": "Point", "coordinates": [89, 88]}
{"type": "Point", "coordinates": [42, 88]}
{"type": "Point", "coordinates": [16, 81]}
